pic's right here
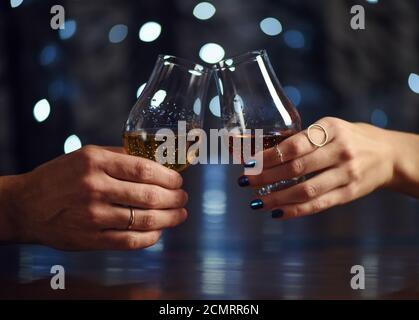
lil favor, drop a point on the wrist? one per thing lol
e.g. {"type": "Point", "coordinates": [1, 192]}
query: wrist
{"type": "Point", "coordinates": [405, 176]}
{"type": "Point", "coordinates": [8, 225]}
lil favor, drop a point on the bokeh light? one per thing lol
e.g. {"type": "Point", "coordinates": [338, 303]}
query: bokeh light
{"type": "Point", "coordinates": [413, 82]}
{"type": "Point", "coordinates": [72, 143]}
{"type": "Point", "coordinates": [70, 27]}
{"type": "Point", "coordinates": [372, 1]}
{"type": "Point", "coordinates": [41, 110]}
{"type": "Point", "coordinates": [211, 53]}
{"type": "Point", "coordinates": [379, 118]}
{"type": "Point", "coordinates": [293, 94]}
{"type": "Point", "coordinates": [15, 3]}
{"type": "Point", "coordinates": [118, 33]}
{"type": "Point", "coordinates": [271, 26]}
{"type": "Point", "coordinates": [149, 31]}
{"type": "Point", "coordinates": [48, 55]}
{"type": "Point", "coordinates": [204, 11]}
{"type": "Point", "coordinates": [294, 39]}
{"type": "Point", "coordinates": [56, 89]}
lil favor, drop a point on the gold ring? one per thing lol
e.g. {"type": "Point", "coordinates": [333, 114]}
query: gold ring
{"type": "Point", "coordinates": [131, 218]}
{"type": "Point", "coordinates": [279, 153]}
{"type": "Point", "coordinates": [326, 136]}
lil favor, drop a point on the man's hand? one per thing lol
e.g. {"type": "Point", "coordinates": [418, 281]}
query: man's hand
{"type": "Point", "coordinates": [81, 201]}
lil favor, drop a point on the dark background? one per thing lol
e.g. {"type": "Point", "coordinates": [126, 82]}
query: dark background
{"type": "Point", "coordinates": [226, 250]}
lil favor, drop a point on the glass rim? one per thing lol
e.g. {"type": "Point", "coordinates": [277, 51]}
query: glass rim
{"type": "Point", "coordinates": [239, 59]}
{"type": "Point", "coordinates": [184, 63]}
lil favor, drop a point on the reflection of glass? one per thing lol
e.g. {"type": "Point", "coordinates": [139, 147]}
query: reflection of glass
{"type": "Point", "coordinates": [252, 98]}
{"type": "Point", "coordinates": [175, 92]}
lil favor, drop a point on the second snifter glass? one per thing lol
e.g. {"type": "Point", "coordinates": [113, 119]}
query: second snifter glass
{"type": "Point", "coordinates": [251, 97]}
{"type": "Point", "coordinates": [175, 92]}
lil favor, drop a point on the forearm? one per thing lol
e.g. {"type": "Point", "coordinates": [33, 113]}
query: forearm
{"type": "Point", "coordinates": [406, 162]}
{"type": "Point", "coordinates": [8, 230]}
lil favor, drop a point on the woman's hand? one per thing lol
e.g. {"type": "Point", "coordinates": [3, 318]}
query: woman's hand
{"type": "Point", "coordinates": [357, 159]}
{"type": "Point", "coordinates": [81, 201]}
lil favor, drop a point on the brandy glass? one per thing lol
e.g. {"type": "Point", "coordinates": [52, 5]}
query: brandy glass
{"type": "Point", "coordinates": [251, 97]}
{"type": "Point", "coordinates": [174, 94]}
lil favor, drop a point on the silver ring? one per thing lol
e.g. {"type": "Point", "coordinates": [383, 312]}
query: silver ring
{"type": "Point", "coordinates": [279, 153]}
{"type": "Point", "coordinates": [131, 218]}
{"type": "Point", "coordinates": [326, 136]}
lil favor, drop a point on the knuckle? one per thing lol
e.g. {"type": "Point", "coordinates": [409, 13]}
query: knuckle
{"type": "Point", "coordinates": [309, 191]}
{"type": "Point", "coordinates": [331, 122]}
{"type": "Point", "coordinates": [147, 221]}
{"type": "Point", "coordinates": [153, 238]}
{"type": "Point", "coordinates": [92, 214]}
{"type": "Point", "coordinates": [90, 187]}
{"type": "Point", "coordinates": [296, 167]}
{"type": "Point", "coordinates": [89, 156]}
{"type": "Point", "coordinates": [132, 242]}
{"type": "Point", "coordinates": [294, 148]}
{"type": "Point", "coordinates": [294, 211]}
{"type": "Point", "coordinates": [151, 197]}
{"type": "Point", "coordinates": [353, 171]}
{"type": "Point", "coordinates": [319, 205]}
{"type": "Point", "coordinates": [351, 191]}
{"type": "Point", "coordinates": [145, 170]}
{"type": "Point", "coordinates": [348, 152]}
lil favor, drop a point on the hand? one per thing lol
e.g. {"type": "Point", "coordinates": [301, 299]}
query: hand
{"type": "Point", "coordinates": [81, 201]}
{"type": "Point", "coordinates": [357, 159]}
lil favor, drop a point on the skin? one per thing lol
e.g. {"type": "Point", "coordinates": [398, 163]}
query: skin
{"type": "Point", "coordinates": [358, 159]}
{"type": "Point", "coordinates": [80, 201]}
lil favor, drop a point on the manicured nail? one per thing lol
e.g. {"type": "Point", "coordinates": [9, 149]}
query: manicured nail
{"type": "Point", "coordinates": [243, 181]}
{"type": "Point", "coordinates": [250, 164]}
{"type": "Point", "coordinates": [256, 204]}
{"type": "Point", "coordinates": [277, 214]}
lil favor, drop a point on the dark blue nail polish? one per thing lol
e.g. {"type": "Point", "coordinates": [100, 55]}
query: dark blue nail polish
{"type": "Point", "coordinates": [277, 214]}
{"type": "Point", "coordinates": [243, 181]}
{"type": "Point", "coordinates": [256, 204]}
{"type": "Point", "coordinates": [250, 164]}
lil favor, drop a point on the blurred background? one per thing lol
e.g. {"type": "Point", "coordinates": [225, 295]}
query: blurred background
{"type": "Point", "coordinates": [62, 89]}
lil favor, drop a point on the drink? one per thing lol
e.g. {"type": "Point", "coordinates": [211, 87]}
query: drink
{"type": "Point", "coordinates": [270, 139]}
{"type": "Point", "coordinates": [145, 145]}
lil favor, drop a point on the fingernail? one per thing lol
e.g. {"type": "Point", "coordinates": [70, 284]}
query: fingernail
{"type": "Point", "coordinates": [250, 164]}
{"type": "Point", "coordinates": [243, 181]}
{"type": "Point", "coordinates": [277, 214]}
{"type": "Point", "coordinates": [256, 204]}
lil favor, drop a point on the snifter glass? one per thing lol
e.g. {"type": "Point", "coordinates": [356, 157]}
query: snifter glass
{"type": "Point", "coordinates": [175, 92]}
{"type": "Point", "coordinates": [251, 97]}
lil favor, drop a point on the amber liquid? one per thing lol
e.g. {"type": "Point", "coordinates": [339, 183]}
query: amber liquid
{"type": "Point", "coordinates": [145, 145]}
{"type": "Point", "coordinates": [270, 139]}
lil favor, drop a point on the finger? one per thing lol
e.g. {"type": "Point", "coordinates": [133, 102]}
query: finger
{"type": "Point", "coordinates": [307, 190]}
{"type": "Point", "coordinates": [297, 145]}
{"type": "Point", "coordinates": [115, 149]}
{"type": "Point", "coordinates": [320, 159]}
{"type": "Point", "coordinates": [136, 169]}
{"type": "Point", "coordinates": [333, 198]}
{"type": "Point", "coordinates": [144, 196]}
{"type": "Point", "coordinates": [117, 217]}
{"type": "Point", "coordinates": [126, 240]}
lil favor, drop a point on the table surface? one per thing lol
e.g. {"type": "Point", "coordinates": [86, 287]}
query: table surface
{"type": "Point", "coordinates": [226, 251]}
